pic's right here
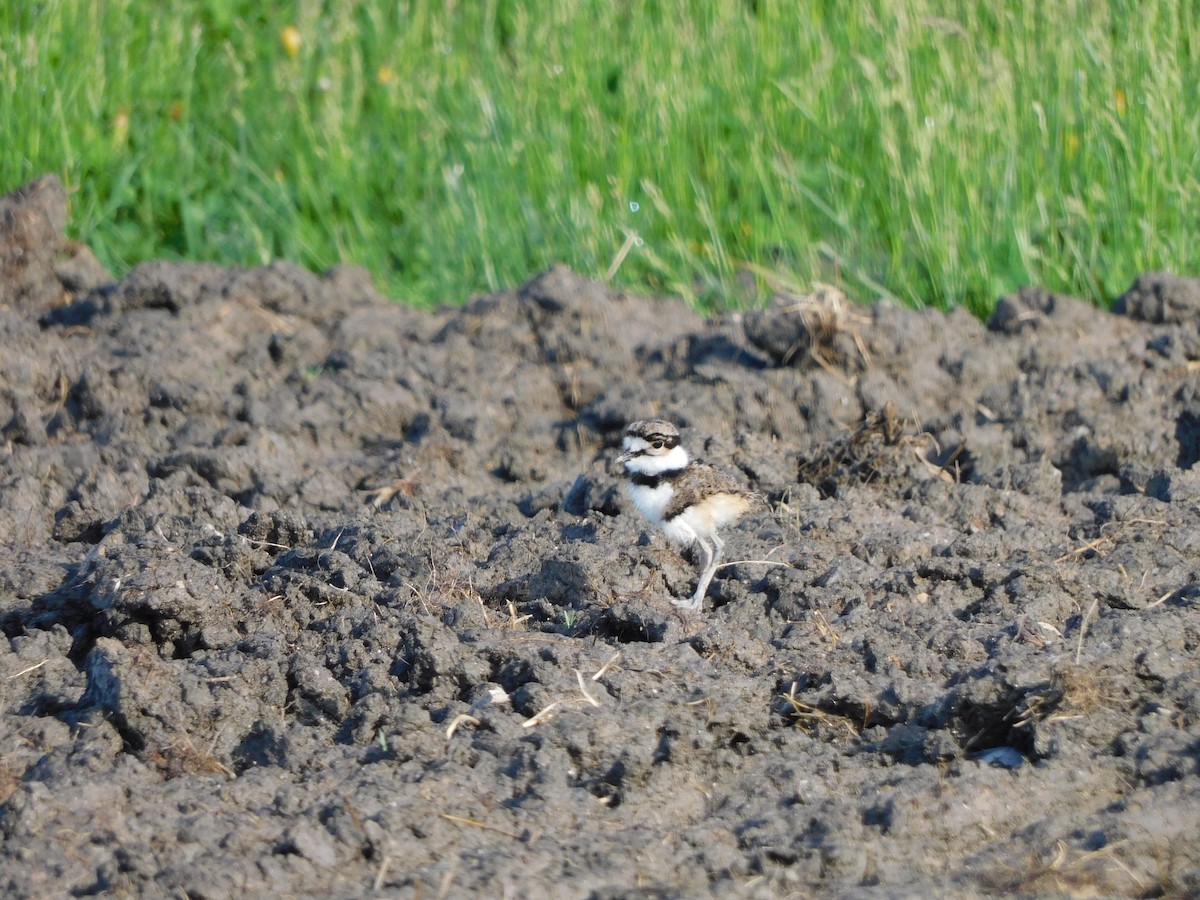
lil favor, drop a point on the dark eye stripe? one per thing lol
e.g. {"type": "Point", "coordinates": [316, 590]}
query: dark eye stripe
{"type": "Point", "coordinates": [646, 431]}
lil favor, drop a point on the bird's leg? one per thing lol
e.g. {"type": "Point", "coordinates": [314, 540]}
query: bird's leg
{"type": "Point", "coordinates": [719, 545]}
{"type": "Point", "coordinates": [710, 570]}
{"type": "Point", "coordinates": [708, 567]}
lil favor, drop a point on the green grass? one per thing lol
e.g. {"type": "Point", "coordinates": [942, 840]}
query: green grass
{"type": "Point", "coordinates": [940, 152]}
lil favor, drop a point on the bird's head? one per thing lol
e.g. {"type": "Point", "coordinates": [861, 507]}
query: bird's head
{"type": "Point", "coordinates": [651, 446]}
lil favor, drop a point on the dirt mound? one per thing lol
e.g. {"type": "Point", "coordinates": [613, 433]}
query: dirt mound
{"type": "Point", "coordinates": [307, 592]}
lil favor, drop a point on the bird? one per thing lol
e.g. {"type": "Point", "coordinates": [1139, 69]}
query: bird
{"type": "Point", "coordinates": [687, 499]}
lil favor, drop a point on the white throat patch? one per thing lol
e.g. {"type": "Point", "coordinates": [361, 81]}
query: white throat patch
{"type": "Point", "coordinates": [672, 461]}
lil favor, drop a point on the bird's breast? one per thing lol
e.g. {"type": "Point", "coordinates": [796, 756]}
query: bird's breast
{"type": "Point", "coordinates": [651, 502]}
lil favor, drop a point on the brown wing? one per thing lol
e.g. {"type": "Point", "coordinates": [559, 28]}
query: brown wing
{"type": "Point", "coordinates": [695, 483]}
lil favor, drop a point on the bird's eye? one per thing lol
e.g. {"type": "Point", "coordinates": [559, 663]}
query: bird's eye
{"type": "Point", "coordinates": [657, 445]}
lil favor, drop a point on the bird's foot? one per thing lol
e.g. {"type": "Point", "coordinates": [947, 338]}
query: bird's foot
{"type": "Point", "coordinates": [691, 604]}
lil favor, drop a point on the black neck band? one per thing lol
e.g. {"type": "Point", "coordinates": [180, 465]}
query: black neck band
{"type": "Point", "coordinates": [653, 481]}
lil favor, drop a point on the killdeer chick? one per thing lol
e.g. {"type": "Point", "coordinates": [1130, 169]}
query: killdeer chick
{"type": "Point", "coordinates": [687, 499]}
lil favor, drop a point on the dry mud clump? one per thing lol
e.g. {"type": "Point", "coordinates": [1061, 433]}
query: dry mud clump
{"type": "Point", "coordinates": [306, 592]}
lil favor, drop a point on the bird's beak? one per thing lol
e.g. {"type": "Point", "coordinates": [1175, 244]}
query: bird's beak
{"type": "Point", "coordinates": [625, 457]}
